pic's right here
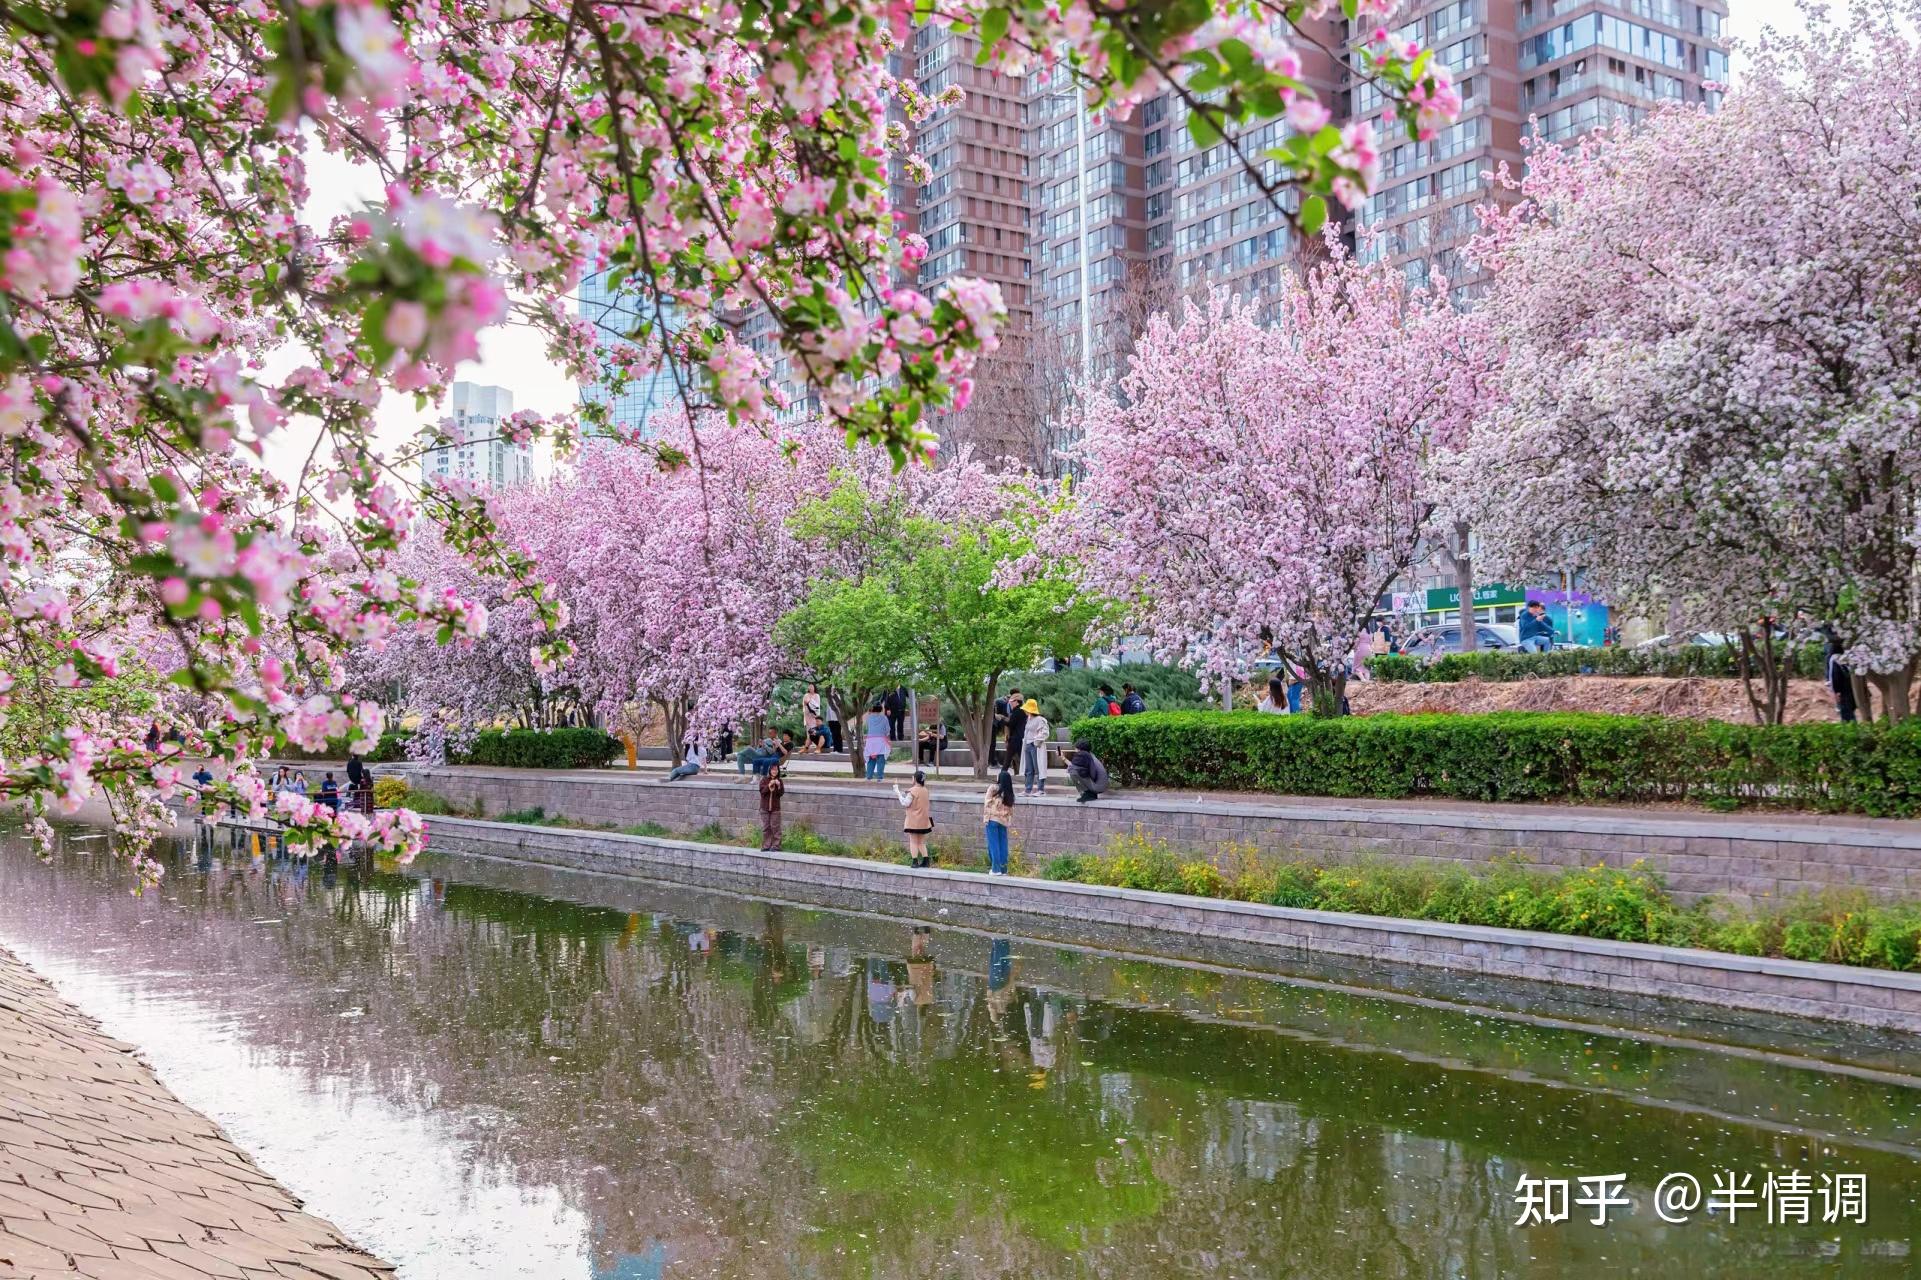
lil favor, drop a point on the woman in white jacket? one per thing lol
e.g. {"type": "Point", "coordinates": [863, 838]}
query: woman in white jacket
{"type": "Point", "coordinates": [1034, 750]}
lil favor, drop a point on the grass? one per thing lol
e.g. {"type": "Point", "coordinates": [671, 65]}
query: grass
{"type": "Point", "coordinates": [1628, 904]}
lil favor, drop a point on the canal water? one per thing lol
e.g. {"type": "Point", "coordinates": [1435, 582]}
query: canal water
{"type": "Point", "coordinates": [478, 1070]}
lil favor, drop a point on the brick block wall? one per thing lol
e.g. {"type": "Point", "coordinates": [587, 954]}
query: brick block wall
{"type": "Point", "coordinates": [1698, 854]}
{"type": "Point", "coordinates": [1168, 924]}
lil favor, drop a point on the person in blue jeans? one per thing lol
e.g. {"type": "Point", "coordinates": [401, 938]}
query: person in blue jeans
{"type": "Point", "coordinates": [762, 759]}
{"type": "Point", "coordinates": [879, 741]}
{"type": "Point", "coordinates": [997, 810]}
{"type": "Point", "coordinates": [1536, 629]}
{"type": "Point", "coordinates": [690, 764]}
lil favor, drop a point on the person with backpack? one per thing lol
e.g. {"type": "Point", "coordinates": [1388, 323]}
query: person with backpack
{"type": "Point", "coordinates": [1104, 703]}
{"type": "Point", "coordinates": [1132, 704]}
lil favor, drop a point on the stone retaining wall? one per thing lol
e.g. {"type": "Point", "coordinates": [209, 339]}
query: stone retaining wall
{"type": "Point", "coordinates": [1698, 854]}
{"type": "Point", "coordinates": [1164, 924]}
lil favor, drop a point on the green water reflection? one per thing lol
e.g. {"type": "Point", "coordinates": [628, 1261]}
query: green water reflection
{"type": "Point", "coordinates": [716, 1086]}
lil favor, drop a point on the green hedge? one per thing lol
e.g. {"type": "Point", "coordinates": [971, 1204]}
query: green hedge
{"type": "Point", "coordinates": [518, 748]}
{"type": "Point", "coordinates": [392, 747]}
{"type": "Point", "coordinates": [1630, 904]}
{"type": "Point", "coordinates": [1810, 663]}
{"type": "Point", "coordinates": [542, 748]}
{"type": "Point", "coordinates": [1066, 695]}
{"type": "Point", "coordinates": [1522, 755]}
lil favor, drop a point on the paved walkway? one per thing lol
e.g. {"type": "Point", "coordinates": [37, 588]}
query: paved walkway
{"type": "Point", "coordinates": [105, 1174]}
{"type": "Point", "coordinates": [1771, 824]}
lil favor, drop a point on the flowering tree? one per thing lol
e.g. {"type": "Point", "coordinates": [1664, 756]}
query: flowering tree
{"type": "Point", "coordinates": [1714, 338]}
{"type": "Point", "coordinates": [677, 575]}
{"type": "Point", "coordinates": [709, 158]}
{"type": "Point", "coordinates": [1255, 484]}
{"type": "Point", "coordinates": [480, 676]}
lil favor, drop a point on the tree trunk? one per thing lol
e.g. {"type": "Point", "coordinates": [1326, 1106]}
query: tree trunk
{"type": "Point", "coordinates": [1327, 692]}
{"type": "Point", "coordinates": [1464, 584]}
{"type": "Point", "coordinates": [1863, 697]}
{"type": "Point", "coordinates": [1895, 690]}
{"type": "Point", "coordinates": [844, 702]}
{"type": "Point", "coordinates": [675, 715]}
{"type": "Point", "coordinates": [977, 725]}
{"type": "Point", "coordinates": [1761, 657]}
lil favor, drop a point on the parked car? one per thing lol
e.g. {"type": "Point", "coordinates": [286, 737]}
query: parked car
{"type": "Point", "coordinates": [1430, 643]}
{"type": "Point", "coordinates": [1711, 639]}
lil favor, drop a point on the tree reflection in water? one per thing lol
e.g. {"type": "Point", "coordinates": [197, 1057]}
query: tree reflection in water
{"type": "Point", "coordinates": [725, 1087]}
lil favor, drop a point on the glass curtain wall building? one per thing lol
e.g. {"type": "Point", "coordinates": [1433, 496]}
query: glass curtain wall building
{"type": "Point", "coordinates": [614, 315]}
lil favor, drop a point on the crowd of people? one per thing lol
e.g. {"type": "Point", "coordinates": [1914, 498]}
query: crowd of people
{"type": "Point", "coordinates": [1022, 740]}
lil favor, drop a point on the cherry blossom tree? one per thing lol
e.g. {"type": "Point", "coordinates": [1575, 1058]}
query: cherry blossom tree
{"type": "Point", "coordinates": [1254, 485]}
{"type": "Point", "coordinates": [471, 681]}
{"type": "Point", "coordinates": [714, 160]}
{"type": "Point", "coordinates": [1713, 337]}
{"type": "Point", "coordinates": [676, 574]}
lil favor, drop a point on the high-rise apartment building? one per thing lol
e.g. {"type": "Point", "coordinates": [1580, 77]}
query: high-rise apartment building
{"type": "Point", "coordinates": [1089, 223]}
{"type": "Point", "coordinates": [974, 208]}
{"type": "Point", "coordinates": [1555, 68]}
{"type": "Point", "coordinates": [614, 315]}
{"type": "Point", "coordinates": [477, 451]}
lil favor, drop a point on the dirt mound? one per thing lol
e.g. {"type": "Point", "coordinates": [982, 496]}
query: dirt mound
{"type": "Point", "coordinates": [1692, 698]}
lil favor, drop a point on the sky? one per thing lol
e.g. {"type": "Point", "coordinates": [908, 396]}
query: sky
{"type": "Point", "coordinates": [514, 357]}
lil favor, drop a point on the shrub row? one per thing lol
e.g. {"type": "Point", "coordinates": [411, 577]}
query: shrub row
{"type": "Point", "coordinates": [543, 748]}
{"type": "Point", "coordinates": [1627, 904]}
{"type": "Point", "coordinates": [1809, 663]}
{"type": "Point", "coordinates": [518, 749]}
{"type": "Point", "coordinates": [1067, 695]}
{"type": "Point", "coordinates": [1519, 756]}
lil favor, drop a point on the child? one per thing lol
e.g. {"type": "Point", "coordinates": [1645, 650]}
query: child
{"type": "Point", "coordinates": [997, 809]}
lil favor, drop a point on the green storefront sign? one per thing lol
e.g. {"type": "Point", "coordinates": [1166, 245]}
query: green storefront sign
{"type": "Point", "coordinates": [1495, 593]}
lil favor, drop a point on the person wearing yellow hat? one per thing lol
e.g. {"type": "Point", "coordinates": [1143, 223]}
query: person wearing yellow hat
{"type": "Point", "coordinates": [1034, 750]}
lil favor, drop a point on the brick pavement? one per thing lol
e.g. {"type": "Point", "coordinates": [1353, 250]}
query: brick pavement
{"type": "Point", "coordinates": [105, 1174]}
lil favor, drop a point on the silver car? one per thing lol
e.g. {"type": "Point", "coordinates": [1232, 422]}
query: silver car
{"type": "Point", "coordinates": [1430, 643]}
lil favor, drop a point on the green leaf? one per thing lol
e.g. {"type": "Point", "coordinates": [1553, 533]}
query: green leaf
{"type": "Point", "coordinates": [1313, 215]}
{"type": "Point", "coordinates": [993, 28]}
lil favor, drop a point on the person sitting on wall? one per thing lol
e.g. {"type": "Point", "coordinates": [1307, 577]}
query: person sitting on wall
{"type": "Point", "coordinates": [762, 758]}
{"type": "Point", "coordinates": [933, 741]}
{"type": "Point", "coordinates": [690, 764]}
{"type": "Point", "coordinates": [1536, 628]}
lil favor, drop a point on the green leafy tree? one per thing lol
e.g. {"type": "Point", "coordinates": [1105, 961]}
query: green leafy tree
{"type": "Point", "coordinates": [960, 631]}
{"type": "Point", "coordinates": [933, 602]}
{"type": "Point", "coordinates": [43, 704]}
{"type": "Point", "coordinates": [848, 535]}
